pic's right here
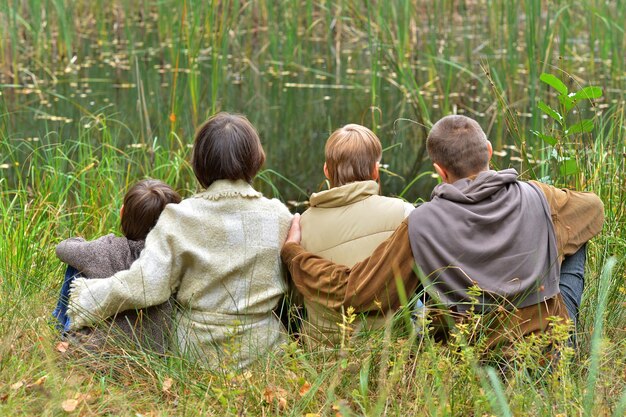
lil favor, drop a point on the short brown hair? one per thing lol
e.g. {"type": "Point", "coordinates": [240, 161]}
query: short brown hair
{"type": "Point", "coordinates": [458, 144]}
{"type": "Point", "coordinates": [143, 204]}
{"type": "Point", "coordinates": [227, 146]}
{"type": "Point", "coordinates": [351, 153]}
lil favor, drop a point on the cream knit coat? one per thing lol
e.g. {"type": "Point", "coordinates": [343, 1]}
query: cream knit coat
{"type": "Point", "coordinates": [219, 252]}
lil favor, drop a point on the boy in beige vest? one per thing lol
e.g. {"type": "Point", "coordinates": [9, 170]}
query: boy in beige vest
{"type": "Point", "coordinates": [346, 223]}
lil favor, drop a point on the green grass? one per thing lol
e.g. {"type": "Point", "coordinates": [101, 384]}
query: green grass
{"type": "Point", "coordinates": [75, 133]}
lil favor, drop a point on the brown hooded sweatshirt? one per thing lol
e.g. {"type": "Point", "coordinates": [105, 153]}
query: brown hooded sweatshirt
{"type": "Point", "coordinates": [492, 236]}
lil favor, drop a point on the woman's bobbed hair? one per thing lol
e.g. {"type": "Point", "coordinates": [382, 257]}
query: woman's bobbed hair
{"type": "Point", "coordinates": [226, 146]}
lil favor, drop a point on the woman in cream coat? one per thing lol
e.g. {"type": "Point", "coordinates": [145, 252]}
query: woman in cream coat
{"type": "Point", "coordinates": [217, 251]}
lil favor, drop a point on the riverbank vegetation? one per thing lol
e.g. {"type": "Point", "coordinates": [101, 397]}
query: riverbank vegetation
{"type": "Point", "coordinates": [96, 95]}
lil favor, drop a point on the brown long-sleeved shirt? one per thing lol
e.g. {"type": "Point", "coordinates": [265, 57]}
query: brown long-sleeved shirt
{"type": "Point", "coordinates": [376, 283]}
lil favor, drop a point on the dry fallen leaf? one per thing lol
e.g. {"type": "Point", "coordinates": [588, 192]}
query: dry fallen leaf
{"type": "Point", "coordinates": [272, 393]}
{"type": "Point", "coordinates": [304, 389]}
{"type": "Point", "coordinates": [62, 346]}
{"type": "Point", "coordinates": [167, 384]}
{"type": "Point", "coordinates": [17, 385]}
{"type": "Point", "coordinates": [268, 394]}
{"type": "Point", "coordinates": [282, 403]}
{"type": "Point", "coordinates": [69, 405]}
{"type": "Point", "coordinates": [40, 381]}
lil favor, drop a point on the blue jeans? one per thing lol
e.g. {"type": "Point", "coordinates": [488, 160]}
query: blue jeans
{"type": "Point", "coordinates": [572, 281]}
{"type": "Point", "coordinates": [60, 312]}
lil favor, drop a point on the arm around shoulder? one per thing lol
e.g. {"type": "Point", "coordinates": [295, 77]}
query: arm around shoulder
{"type": "Point", "coordinates": [150, 280]}
{"type": "Point", "coordinates": [67, 249]}
{"type": "Point", "coordinates": [82, 254]}
{"type": "Point", "coordinates": [369, 285]}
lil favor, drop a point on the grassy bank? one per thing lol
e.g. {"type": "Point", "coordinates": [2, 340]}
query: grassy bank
{"type": "Point", "coordinates": [298, 69]}
{"type": "Point", "coordinates": [75, 189]}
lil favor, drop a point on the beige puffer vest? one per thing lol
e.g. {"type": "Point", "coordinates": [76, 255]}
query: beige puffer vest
{"type": "Point", "coordinates": [345, 224]}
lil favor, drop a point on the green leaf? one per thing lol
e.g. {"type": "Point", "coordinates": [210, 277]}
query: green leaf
{"type": "Point", "coordinates": [554, 82]}
{"type": "Point", "coordinates": [550, 111]}
{"type": "Point", "coordinates": [587, 93]}
{"type": "Point", "coordinates": [583, 126]}
{"type": "Point", "coordinates": [567, 102]}
{"type": "Point", "coordinates": [569, 167]}
{"type": "Point", "coordinates": [551, 140]}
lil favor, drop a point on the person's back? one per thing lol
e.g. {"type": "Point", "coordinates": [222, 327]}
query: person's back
{"type": "Point", "coordinates": [346, 223]}
{"type": "Point", "coordinates": [504, 244]}
{"type": "Point", "coordinates": [107, 255]}
{"type": "Point", "coordinates": [230, 236]}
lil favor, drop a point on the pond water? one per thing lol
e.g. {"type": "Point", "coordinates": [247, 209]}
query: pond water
{"type": "Point", "coordinates": [152, 86]}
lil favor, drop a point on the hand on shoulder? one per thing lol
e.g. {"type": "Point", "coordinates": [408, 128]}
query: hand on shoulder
{"type": "Point", "coordinates": [295, 234]}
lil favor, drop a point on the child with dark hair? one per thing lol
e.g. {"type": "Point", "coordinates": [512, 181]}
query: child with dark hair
{"type": "Point", "coordinates": [101, 258]}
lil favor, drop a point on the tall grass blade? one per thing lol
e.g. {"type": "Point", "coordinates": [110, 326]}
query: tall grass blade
{"type": "Point", "coordinates": [596, 337]}
{"type": "Point", "coordinates": [620, 409]}
{"type": "Point", "coordinates": [497, 399]}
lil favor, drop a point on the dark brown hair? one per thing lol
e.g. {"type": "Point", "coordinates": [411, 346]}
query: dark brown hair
{"type": "Point", "coordinates": [458, 144]}
{"type": "Point", "coordinates": [351, 153]}
{"type": "Point", "coordinates": [227, 147]}
{"type": "Point", "coordinates": [143, 204]}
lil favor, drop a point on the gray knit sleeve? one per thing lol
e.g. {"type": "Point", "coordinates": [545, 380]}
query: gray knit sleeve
{"type": "Point", "coordinates": [68, 251]}
{"type": "Point", "coordinates": [85, 256]}
{"type": "Point", "coordinates": [151, 279]}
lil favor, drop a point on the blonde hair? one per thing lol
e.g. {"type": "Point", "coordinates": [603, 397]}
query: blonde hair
{"type": "Point", "coordinates": [351, 153]}
{"type": "Point", "coordinates": [458, 144]}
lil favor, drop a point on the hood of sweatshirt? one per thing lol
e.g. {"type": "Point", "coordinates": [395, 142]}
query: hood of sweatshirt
{"type": "Point", "coordinates": [469, 191]}
{"type": "Point", "coordinates": [492, 232]}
